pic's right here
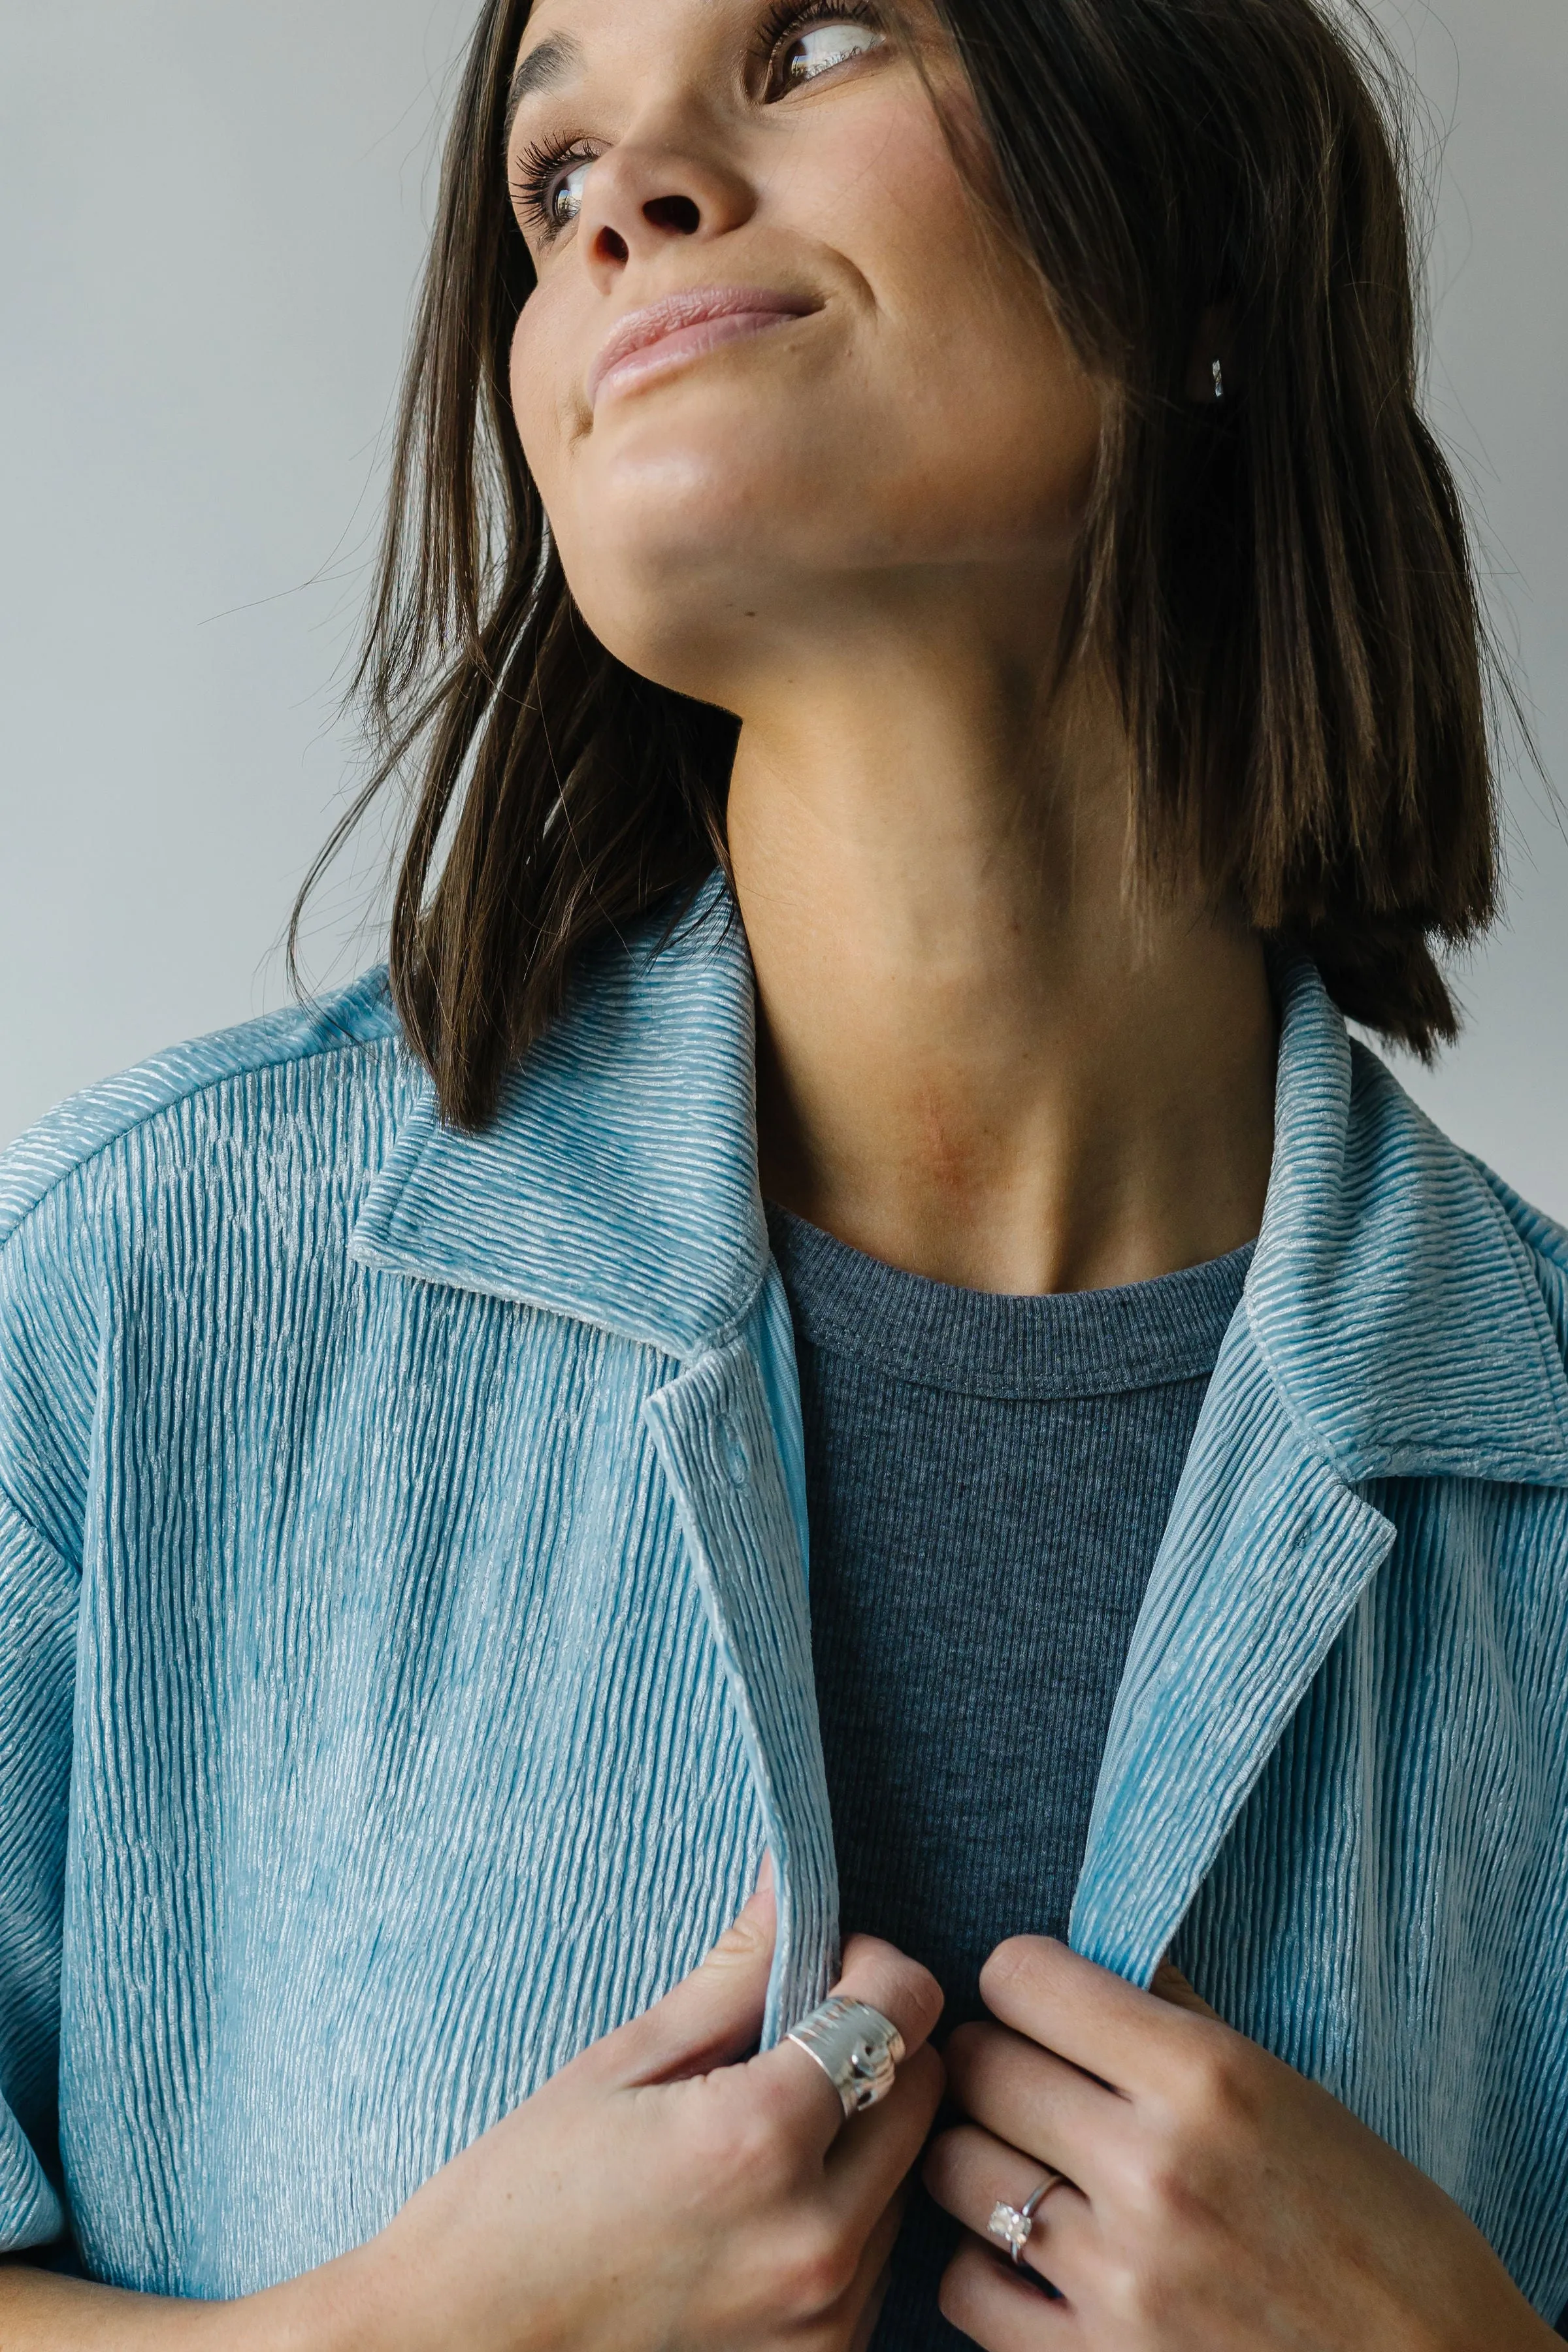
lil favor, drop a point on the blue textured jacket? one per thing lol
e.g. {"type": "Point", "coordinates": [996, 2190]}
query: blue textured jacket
{"type": "Point", "coordinates": [405, 1652]}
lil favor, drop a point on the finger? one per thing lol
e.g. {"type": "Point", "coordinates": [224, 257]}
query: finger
{"type": "Point", "coordinates": [712, 2016]}
{"type": "Point", "coordinates": [903, 1991]}
{"type": "Point", "coordinates": [969, 2174]}
{"type": "Point", "coordinates": [875, 2150]}
{"type": "Point", "coordinates": [870, 2291]}
{"type": "Point", "coordinates": [889, 1980]}
{"type": "Point", "coordinates": [1171, 1985]}
{"type": "Point", "coordinates": [1000, 2309]}
{"type": "Point", "coordinates": [1101, 2024]}
{"type": "Point", "coordinates": [1035, 2099]}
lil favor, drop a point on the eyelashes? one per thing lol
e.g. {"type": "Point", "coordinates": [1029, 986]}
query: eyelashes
{"type": "Point", "coordinates": [541, 171]}
{"type": "Point", "coordinates": [786, 19]}
{"type": "Point", "coordinates": [537, 180]}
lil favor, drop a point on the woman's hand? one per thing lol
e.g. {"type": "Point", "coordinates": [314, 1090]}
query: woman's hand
{"type": "Point", "coordinates": [1215, 2200]}
{"type": "Point", "coordinates": [656, 2193]}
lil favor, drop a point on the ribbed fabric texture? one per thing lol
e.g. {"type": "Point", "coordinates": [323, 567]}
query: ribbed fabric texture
{"type": "Point", "coordinates": [404, 1651]}
{"type": "Point", "coordinates": [988, 1479]}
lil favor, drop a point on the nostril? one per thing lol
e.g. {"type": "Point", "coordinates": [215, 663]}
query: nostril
{"type": "Point", "coordinates": [677, 213]}
{"type": "Point", "coordinates": [611, 245]}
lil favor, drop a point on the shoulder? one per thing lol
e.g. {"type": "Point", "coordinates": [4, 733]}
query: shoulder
{"type": "Point", "coordinates": [205, 1186]}
{"type": "Point", "coordinates": [289, 1070]}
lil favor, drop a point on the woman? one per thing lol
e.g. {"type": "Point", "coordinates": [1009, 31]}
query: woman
{"type": "Point", "coordinates": [999, 682]}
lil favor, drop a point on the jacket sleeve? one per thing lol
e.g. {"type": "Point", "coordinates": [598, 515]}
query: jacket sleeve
{"type": "Point", "coordinates": [37, 1624]}
{"type": "Point", "coordinates": [48, 1357]}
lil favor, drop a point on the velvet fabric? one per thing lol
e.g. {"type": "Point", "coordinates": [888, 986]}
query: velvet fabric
{"type": "Point", "coordinates": [405, 1646]}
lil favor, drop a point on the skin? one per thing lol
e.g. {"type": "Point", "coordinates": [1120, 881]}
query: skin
{"type": "Point", "coordinates": [981, 1059]}
{"type": "Point", "coordinates": [1215, 2200]}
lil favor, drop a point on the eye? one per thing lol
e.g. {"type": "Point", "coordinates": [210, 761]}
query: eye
{"type": "Point", "coordinates": [547, 186]}
{"type": "Point", "coordinates": [563, 196]}
{"type": "Point", "coordinates": [824, 47]}
{"type": "Point", "coordinates": [804, 43]}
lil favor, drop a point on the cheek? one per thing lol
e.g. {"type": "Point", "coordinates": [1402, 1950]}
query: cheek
{"type": "Point", "coordinates": [542, 394]}
{"type": "Point", "coordinates": [973, 402]}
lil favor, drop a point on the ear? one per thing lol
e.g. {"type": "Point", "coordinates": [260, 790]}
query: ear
{"type": "Point", "coordinates": [1212, 345]}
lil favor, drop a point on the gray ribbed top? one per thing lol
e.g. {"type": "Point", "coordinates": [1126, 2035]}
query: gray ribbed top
{"type": "Point", "coordinates": [1079, 1343]}
{"type": "Point", "coordinates": [987, 1481]}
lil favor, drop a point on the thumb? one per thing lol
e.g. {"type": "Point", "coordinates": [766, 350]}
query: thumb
{"type": "Point", "coordinates": [1171, 1985]}
{"type": "Point", "coordinates": [713, 2017]}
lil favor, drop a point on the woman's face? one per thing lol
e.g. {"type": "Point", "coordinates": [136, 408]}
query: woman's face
{"type": "Point", "coordinates": [779, 368]}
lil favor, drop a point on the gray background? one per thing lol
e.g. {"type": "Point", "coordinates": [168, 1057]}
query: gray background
{"type": "Point", "coordinates": [211, 216]}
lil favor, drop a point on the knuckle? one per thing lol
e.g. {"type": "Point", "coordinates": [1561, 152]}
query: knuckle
{"type": "Point", "coordinates": [742, 1942]}
{"type": "Point", "coordinates": [818, 2268]}
{"type": "Point", "coordinates": [922, 1988]}
{"type": "Point", "coordinates": [1219, 2099]}
{"type": "Point", "coordinates": [742, 2143]}
{"type": "Point", "coordinates": [1131, 2169]}
{"type": "Point", "coordinates": [903, 1989]}
{"type": "Point", "coordinates": [1167, 2190]}
{"type": "Point", "coordinates": [1153, 2182]}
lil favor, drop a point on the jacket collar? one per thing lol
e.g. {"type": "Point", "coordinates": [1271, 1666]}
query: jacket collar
{"type": "Point", "coordinates": [1390, 1297]}
{"type": "Point", "coordinates": [617, 1182]}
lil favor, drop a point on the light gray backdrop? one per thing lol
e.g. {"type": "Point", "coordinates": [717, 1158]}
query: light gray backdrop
{"type": "Point", "coordinates": [211, 215]}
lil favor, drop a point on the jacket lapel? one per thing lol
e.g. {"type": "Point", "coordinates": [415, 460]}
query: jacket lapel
{"type": "Point", "coordinates": [1267, 1552]}
{"type": "Point", "coordinates": [715, 1437]}
{"type": "Point", "coordinates": [617, 1182]}
{"type": "Point", "coordinates": [618, 1186]}
{"type": "Point", "coordinates": [1391, 1328]}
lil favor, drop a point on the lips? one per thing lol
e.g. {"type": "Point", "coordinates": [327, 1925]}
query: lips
{"type": "Point", "coordinates": [679, 326]}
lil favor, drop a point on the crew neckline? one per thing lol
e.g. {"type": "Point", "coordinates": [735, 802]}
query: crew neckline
{"type": "Point", "coordinates": [984, 1343]}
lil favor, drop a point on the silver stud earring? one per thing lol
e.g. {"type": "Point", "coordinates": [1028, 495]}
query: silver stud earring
{"type": "Point", "coordinates": [1218, 381]}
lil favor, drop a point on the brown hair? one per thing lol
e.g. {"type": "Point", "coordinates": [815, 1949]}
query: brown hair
{"type": "Point", "coordinates": [1279, 582]}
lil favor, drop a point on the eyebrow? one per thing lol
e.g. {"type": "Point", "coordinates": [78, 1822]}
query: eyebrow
{"type": "Point", "coordinates": [546, 64]}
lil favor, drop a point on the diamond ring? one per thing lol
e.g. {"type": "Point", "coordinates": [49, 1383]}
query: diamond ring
{"type": "Point", "coordinates": [1012, 2225]}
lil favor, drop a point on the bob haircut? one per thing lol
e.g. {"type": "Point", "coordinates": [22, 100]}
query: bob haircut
{"type": "Point", "coordinates": [1278, 584]}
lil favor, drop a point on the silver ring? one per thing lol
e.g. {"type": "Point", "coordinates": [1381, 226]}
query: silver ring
{"type": "Point", "coordinates": [857, 2048]}
{"type": "Point", "coordinates": [1013, 2225]}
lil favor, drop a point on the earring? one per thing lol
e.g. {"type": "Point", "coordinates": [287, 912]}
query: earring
{"type": "Point", "coordinates": [1218, 381]}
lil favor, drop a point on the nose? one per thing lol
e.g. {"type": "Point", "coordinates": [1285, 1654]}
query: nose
{"type": "Point", "coordinates": [646, 194]}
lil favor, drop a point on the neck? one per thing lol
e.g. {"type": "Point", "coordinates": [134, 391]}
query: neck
{"type": "Point", "coordinates": [978, 1060]}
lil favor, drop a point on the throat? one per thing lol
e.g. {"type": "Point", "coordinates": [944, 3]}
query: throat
{"type": "Point", "coordinates": [1006, 1136]}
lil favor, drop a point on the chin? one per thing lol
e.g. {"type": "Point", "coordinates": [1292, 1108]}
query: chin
{"type": "Point", "coordinates": [701, 488]}
{"type": "Point", "coordinates": [699, 561]}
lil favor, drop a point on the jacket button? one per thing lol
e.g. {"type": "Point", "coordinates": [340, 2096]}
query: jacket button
{"type": "Point", "coordinates": [737, 1461]}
